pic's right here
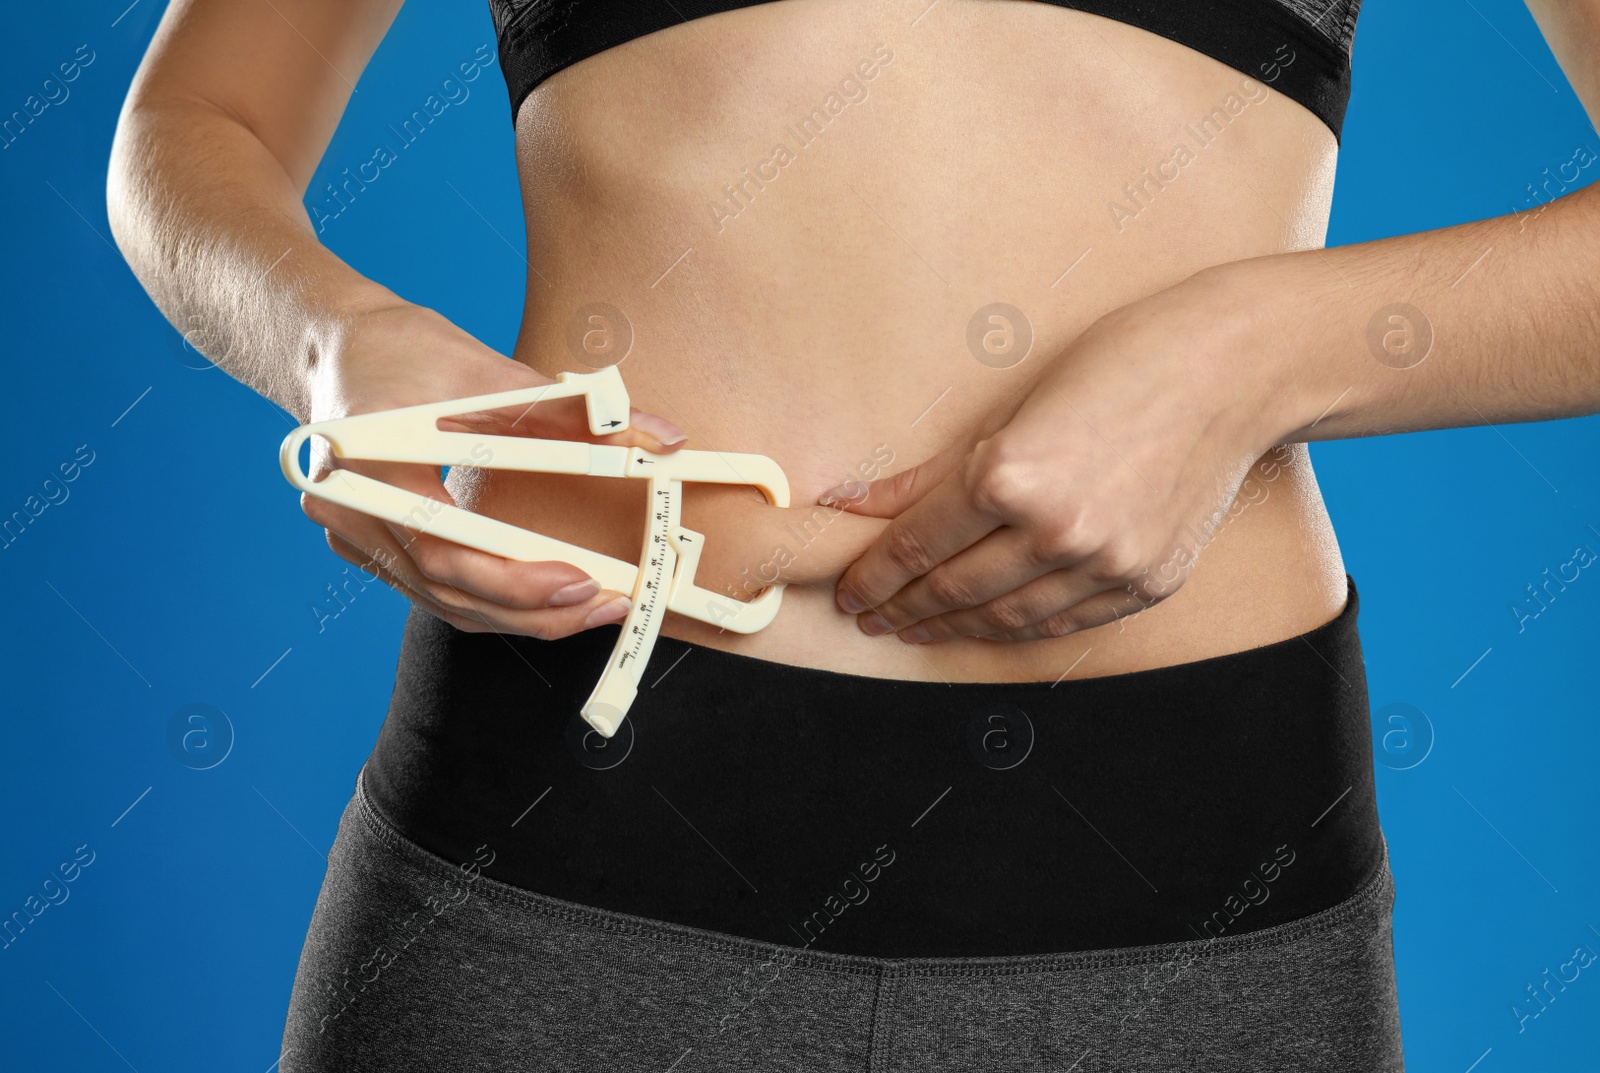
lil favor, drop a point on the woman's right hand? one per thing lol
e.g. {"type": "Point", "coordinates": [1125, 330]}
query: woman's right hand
{"type": "Point", "coordinates": [405, 355]}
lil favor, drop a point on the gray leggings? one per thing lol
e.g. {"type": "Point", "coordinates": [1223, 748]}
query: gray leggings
{"type": "Point", "coordinates": [415, 963]}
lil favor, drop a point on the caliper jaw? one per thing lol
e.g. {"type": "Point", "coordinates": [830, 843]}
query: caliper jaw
{"type": "Point", "coordinates": [663, 579]}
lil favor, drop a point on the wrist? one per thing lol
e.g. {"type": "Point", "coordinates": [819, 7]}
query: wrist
{"type": "Point", "coordinates": [1261, 336]}
{"type": "Point", "coordinates": [344, 313]}
{"type": "Point", "coordinates": [362, 296]}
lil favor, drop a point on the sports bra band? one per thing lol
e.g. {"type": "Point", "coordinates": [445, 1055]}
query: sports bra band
{"type": "Point", "coordinates": [1299, 47]}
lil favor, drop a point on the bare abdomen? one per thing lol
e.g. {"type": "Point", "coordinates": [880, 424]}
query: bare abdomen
{"type": "Point", "coordinates": [814, 305]}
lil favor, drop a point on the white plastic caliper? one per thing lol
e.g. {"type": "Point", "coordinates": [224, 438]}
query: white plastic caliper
{"type": "Point", "coordinates": [662, 580]}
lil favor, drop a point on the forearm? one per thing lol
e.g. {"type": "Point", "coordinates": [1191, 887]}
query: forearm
{"type": "Point", "coordinates": [1512, 305]}
{"type": "Point", "coordinates": [214, 229]}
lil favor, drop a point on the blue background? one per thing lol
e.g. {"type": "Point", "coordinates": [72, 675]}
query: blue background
{"type": "Point", "coordinates": [180, 570]}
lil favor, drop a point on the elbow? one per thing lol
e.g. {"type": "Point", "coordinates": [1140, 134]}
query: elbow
{"type": "Point", "coordinates": [122, 181]}
{"type": "Point", "coordinates": [138, 181]}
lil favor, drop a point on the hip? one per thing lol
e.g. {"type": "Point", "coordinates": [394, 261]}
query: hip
{"type": "Point", "coordinates": [895, 818]}
{"type": "Point", "coordinates": [412, 963]}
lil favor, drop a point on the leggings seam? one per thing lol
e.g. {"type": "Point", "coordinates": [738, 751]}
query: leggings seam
{"type": "Point", "coordinates": [881, 1041]}
{"type": "Point", "coordinates": [1379, 885]}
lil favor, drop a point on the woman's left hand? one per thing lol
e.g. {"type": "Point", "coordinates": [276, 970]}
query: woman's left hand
{"type": "Point", "coordinates": [1094, 500]}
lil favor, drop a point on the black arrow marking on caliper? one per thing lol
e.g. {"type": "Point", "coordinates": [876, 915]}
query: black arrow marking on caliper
{"type": "Point", "coordinates": [612, 424]}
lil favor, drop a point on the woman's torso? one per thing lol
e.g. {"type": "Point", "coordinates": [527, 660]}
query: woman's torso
{"type": "Point", "coordinates": [813, 305]}
{"type": "Point", "coordinates": [1026, 815]}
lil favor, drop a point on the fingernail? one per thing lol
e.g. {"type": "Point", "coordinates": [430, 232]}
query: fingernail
{"type": "Point", "coordinates": [876, 624]}
{"type": "Point", "coordinates": [615, 611]}
{"type": "Point", "coordinates": [916, 635]}
{"type": "Point", "coordinates": [660, 428]}
{"type": "Point", "coordinates": [575, 593]}
{"type": "Point", "coordinates": [850, 602]}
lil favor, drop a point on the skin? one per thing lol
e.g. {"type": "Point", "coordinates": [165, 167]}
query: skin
{"type": "Point", "coordinates": [1054, 506]}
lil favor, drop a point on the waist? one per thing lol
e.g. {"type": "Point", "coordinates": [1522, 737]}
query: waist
{"type": "Point", "coordinates": [1259, 580]}
{"type": "Point", "coordinates": [889, 817]}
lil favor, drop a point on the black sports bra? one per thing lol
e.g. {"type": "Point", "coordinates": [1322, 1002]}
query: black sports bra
{"type": "Point", "coordinates": [1299, 47]}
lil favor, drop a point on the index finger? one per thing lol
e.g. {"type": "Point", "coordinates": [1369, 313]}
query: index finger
{"type": "Point", "coordinates": [940, 524]}
{"type": "Point", "coordinates": [511, 583]}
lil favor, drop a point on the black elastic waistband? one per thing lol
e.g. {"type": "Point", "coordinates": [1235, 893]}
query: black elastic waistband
{"type": "Point", "coordinates": [895, 818]}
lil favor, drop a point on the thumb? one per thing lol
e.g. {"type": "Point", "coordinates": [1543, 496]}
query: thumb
{"type": "Point", "coordinates": [887, 497]}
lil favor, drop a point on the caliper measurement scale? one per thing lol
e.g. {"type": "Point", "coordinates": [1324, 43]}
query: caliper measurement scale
{"type": "Point", "coordinates": [615, 691]}
{"type": "Point", "coordinates": [662, 580]}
